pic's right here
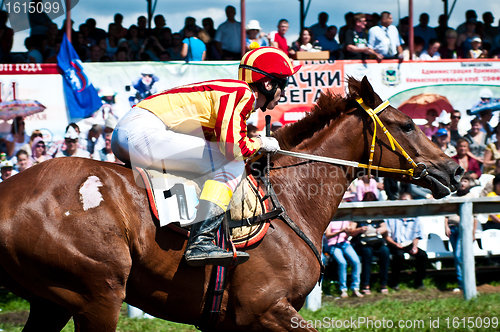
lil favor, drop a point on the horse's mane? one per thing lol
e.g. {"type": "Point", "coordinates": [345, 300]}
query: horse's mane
{"type": "Point", "coordinates": [328, 108]}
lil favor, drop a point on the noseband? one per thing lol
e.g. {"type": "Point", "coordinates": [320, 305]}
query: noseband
{"type": "Point", "coordinates": [373, 113]}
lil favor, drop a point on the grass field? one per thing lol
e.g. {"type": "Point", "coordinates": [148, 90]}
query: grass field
{"type": "Point", "coordinates": [433, 309]}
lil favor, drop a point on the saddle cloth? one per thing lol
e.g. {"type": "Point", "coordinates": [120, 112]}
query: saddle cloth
{"type": "Point", "coordinates": [173, 201]}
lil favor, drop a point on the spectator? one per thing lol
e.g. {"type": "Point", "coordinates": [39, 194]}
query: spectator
{"type": "Point", "coordinates": [106, 154]}
{"type": "Point", "coordinates": [319, 29]}
{"type": "Point", "coordinates": [432, 51]}
{"type": "Point", "coordinates": [93, 136]}
{"type": "Point", "coordinates": [402, 237]}
{"type": "Point", "coordinates": [454, 134]}
{"type": "Point", "coordinates": [144, 32]}
{"type": "Point", "coordinates": [165, 38]}
{"type": "Point", "coordinates": [385, 39]}
{"type": "Point", "coordinates": [443, 143]}
{"type": "Point", "coordinates": [305, 43]}
{"type": "Point", "coordinates": [452, 231]}
{"type": "Point", "coordinates": [96, 53]}
{"type": "Point", "coordinates": [134, 42]}
{"type": "Point", "coordinates": [424, 30]}
{"type": "Point", "coordinates": [464, 40]}
{"type": "Point", "coordinates": [208, 26]}
{"type": "Point", "coordinates": [492, 153]}
{"type": "Point", "coordinates": [485, 118]}
{"type": "Point", "coordinates": [449, 50]}
{"type": "Point", "coordinates": [403, 28]}
{"type": "Point", "coordinates": [6, 170]}
{"type": "Point", "coordinates": [368, 241]}
{"type": "Point", "coordinates": [72, 149]}
{"type": "Point", "coordinates": [121, 31]}
{"type": "Point", "coordinates": [477, 139]}
{"type": "Point", "coordinates": [59, 146]}
{"type": "Point", "coordinates": [111, 40]}
{"type": "Point", "coordinates": [418, 47]}
{"type": "Point", "coordinates": [356, 40]}
{"type": "Point", "coordinates": [189, 21]}
{"type": "Point", "coordinates": [394, 188]}
{"type": "Point", "coordinates": [94, 32]}
{"type": "Point", "coordinates": [33, 46]}
{"type": "Point", "coordinates": [429, 129]}
{"type": "Point", "coordinates": [349, 24]}
{"type": "Point", "coordinates": [150, 50]}
{"type": "Point", "coordinates": [342, 251]}
{"type": "Point", "coordinates": [488, 187]}
{"type": "Point", "coordinates": [39, 21]}
{"type": "Point", "coordinates": [176, 48]}
{"type": "Point", "coordinates": [327, 42]}
{"type": "Point", "coordinates": [494, 219]}
{"type": "Point", "coordinates": [470, 14]}
{"type": "Point", "coordinates": [476, 52]}
{"type": "Point", "coordinates": [160, 23]}
{"type": "Point", "coordinates": [277, 38]}
{"type": "Point", "coordinates": [365, 184]}
{"type": "Point", "coordinates": [486, 41]}
{"type": "Point", "coordinates": [252, 131]}
{"type": "Point", "coordinates": [228, 36]}
{"type": "Point", "coordinates": [489, 30]}
{"type": "Point", "coordinates": [80, 47]}
{"type": "Point", "coordinates": [6, 38]}
{"type": "Point", "coordinates": [464, 159]}
{"type": "Point", "coordinates": [442, 28]}
{"type": "Point", "coordinates": [17, 137]}
{"type": "Point", "coordinates": [254, 35]}
{"type": "Point", "coordinates": [23, 160]}
{"type": "Point", "coordinates": [39, 151]}
{"type": "Point", "coordinates": [193, 49]}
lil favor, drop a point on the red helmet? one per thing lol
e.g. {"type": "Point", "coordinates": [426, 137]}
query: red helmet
{"type": "Point", "coordinates": [264, 64]}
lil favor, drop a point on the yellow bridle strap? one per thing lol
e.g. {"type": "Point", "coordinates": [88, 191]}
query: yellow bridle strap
{"type": "Point", "coordinates": [373, 114]}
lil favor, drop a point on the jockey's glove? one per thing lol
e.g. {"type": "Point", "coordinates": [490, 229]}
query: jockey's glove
{"type": "Point", "coordinates": [269, 144]}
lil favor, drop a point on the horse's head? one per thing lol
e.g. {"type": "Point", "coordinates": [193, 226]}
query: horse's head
{"type": "Point", "coordinates": [432, 168]}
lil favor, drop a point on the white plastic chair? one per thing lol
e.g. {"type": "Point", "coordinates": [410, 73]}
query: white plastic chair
{"type": "Point", "coordinates": [436, 248]}
{"type": "Point", "coordinates": [491, 241]}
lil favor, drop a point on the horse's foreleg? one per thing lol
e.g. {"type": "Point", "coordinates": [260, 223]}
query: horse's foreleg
{"type": "Point", "coordinates": [283, 317]}
{"type": "Point", "coordinates": [46, 316]}
{"type": "Point", "coordinates": [99, 315]}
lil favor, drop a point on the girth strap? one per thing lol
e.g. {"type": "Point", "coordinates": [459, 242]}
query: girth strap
{"type": "Point", "coordinates": [284, 216]}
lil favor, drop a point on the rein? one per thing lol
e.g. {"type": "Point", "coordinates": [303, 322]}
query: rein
{"type": "Point", "coordinates": [394, 144]}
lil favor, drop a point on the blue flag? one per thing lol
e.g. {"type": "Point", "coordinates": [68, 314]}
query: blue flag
{"type": "Point", "coordinates": [81, 96]}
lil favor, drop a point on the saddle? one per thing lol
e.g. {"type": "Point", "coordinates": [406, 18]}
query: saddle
{"type": "Point", "coordinates": [173, 200]}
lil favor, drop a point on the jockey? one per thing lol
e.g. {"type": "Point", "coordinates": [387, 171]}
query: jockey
{"type": "Point", "coordinates": [201, 128]}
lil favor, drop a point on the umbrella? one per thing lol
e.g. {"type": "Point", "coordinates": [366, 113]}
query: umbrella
{"type": "Point", "coordinates": [416, 107]}
{"type": "Point", "coordinates": [14, 108]}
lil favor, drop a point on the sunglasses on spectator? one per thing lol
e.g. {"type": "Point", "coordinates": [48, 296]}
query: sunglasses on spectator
{"type": "Point", "coordinates": [40, 145]}
{"type": "Point", "coordinates": [71, 140]}
{"type": "Point", "coordinates": [456, 117]}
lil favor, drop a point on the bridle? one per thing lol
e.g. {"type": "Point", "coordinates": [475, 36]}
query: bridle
{"type": "Point", "coordinates": [373, 113]}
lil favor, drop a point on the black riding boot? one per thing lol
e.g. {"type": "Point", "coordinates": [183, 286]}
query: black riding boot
{"type": "Point", "coordinates": [201, 249]}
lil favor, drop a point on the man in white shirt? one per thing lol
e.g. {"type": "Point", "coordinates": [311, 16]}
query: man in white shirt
{"type": "Point", "coordinates": [72, 149]}
{"type": "Point", "coordinates": [385, 38]}
{"type": "Point", "coordinates": [228, 37]}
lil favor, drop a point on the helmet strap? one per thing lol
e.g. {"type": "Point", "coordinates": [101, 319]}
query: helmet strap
{"type": "Point", "coordinates": [269, 94]}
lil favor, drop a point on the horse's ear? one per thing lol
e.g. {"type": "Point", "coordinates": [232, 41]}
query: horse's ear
{"type": "Point", "coordinates": [369, 96]}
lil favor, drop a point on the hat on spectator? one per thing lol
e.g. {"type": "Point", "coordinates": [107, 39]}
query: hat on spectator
{"type": "Point", "coordinates": [442, 132]}
{"type": "Point", "coordinates": [111, 122]}
{"type": "Point", "coordinates": [444, 118]}
{"type": "Point", "coordinates": [476, 39]}
{"type": "Point", "coordinates": [121, 40]}
{"type": "Point", "coordinates": [253, 25]}
{"type": "Point", "coordinates": [6, 164]}
{"type": "Point", "coordinates": [71, 133]}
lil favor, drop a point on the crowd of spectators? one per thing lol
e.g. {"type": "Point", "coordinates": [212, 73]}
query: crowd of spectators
{"type": "Point", "coordinates": [364, 36]}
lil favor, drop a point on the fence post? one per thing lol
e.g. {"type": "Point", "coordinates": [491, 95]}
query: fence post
{"type": "Point", "coordinates": [468, 264]}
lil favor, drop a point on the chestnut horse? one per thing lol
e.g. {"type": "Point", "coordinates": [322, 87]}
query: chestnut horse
{"type": "Point", "coordinates": [77, 238]}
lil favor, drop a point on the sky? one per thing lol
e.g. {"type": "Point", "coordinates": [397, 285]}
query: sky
{"type": "Point", "coordinates": [267, 12]}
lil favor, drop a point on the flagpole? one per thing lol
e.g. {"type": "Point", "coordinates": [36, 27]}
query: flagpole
{"type": "Point", "coordinates": [68, 20]}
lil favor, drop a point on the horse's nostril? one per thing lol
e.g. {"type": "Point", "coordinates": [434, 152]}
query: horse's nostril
{"type": "Point", "coordinates": [459, 172]}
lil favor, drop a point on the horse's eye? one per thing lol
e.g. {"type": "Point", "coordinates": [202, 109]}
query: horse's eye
{"type": "Point", "coordinates": [408, 127]}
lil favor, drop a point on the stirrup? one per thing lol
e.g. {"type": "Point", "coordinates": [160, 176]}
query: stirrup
{"type": "Point", "coordinates": [214, 256]}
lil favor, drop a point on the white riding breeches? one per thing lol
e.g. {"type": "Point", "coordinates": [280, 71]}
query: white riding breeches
{"type": "Point", "coordinates": [142, 139]}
